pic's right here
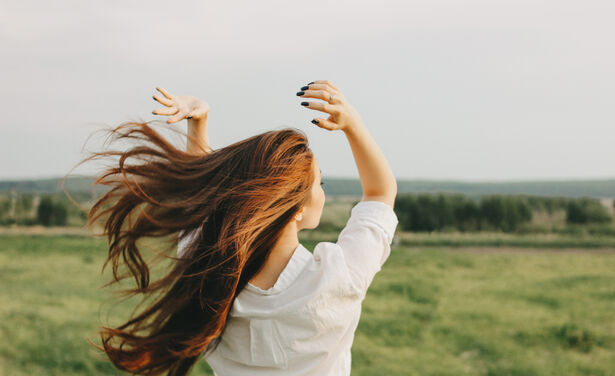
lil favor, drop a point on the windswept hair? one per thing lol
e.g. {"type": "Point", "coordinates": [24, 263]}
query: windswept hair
{"type": "Point", "coordinates": [231, 204]}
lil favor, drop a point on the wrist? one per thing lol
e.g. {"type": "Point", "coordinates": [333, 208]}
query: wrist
{"type": "Point", "coordinates": [198, 120]}
{"type": "Point", "coordinates": [353, 128]}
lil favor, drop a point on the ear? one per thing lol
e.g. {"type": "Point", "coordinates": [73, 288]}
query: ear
{"type": "Point", "coordinates": [299, 215]}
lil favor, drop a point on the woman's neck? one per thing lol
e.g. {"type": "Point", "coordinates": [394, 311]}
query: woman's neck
{"type": "Point", "coordinates": [278, 258]}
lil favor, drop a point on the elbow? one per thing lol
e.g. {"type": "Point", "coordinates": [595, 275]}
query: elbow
{"type": "Point", "coordinates": [386, 197]}
{"type": "Point", "coordinates": [385, 194]}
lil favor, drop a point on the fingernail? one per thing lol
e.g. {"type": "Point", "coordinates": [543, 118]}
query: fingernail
{"type": "Point", "coordinates": [189, 117]}
{"type": "Point", "coordinates": [153, 96]}
{"type": "Point", "coordinates": [305, 88]}
{"type": "Point", "coordinates": [305, 103]}
{"type": "Point", "coordinates": [311, 83]}
{"type": "Point", "coordinates": [153, 112]}
{"type": "Point", "coordinates": [300, 93]}
{"type": "Point", "coordinates": [315, 121]}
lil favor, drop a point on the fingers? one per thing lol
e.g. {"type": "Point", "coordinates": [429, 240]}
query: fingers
{"type": "Point", "coordinates": [326, 87]}
{"type": "Point", "coordinates": [176, 118]}
{"type": "Point", "coordinates": [318, 94]}
{"type": "Point", "coordinates": [162, 100]}
{"type": "Point", "coordinates": [165, 111]}
{"type": "Point", "coordinates": [164, 92]}
{"type": "Point", "coordinates": [328, 83]}
{"type": "Point", "coordinates": [330, 109]}
{"type": "Point", "coordinates": [323, 89]}
{"type": "Point", "coordinates": [325, 124]}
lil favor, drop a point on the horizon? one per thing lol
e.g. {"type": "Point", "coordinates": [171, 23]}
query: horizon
{"type": "Point", "coordinates": [549, 180]}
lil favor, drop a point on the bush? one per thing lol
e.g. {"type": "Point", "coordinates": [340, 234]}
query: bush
{"type": "Point", "coordinates": [505, 213]}
{"type": "Point", "coordinates": [427, 212]}
{"type": "Point", "coordinates": [586, 210]}
{"type": "Point", "coordinates": [547, 204]}
{"type": "Point", "coordinates": [51, 213]}
{"type": "Point", "coordinates": [467, 213]}
{"type": "Point", "coordinates": [423, 212]}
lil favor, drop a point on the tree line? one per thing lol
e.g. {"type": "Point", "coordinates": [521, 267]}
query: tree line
{"type": "Point", "coordinates": [437, 212]}
{"type": "Point", "coordinates": [27, 209]}
{"type": "Point", "coordinates": [416, 212]}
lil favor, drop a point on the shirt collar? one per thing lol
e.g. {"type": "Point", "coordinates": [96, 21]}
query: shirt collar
{"type": "Point", "coordinates": [297, 262]}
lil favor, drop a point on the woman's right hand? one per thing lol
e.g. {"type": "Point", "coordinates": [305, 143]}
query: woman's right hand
{"type": "Point", "coordinates": [342, 115]}
{"type": "Point", "coordinates": [180, 106]}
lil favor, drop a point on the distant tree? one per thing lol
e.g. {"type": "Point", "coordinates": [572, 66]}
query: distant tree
{"type": "Point", "coordinates": [418, 212]}
{"type": "Point", "coordinates": [505, 213]}
{"type": "Point", "coordinates": [467, 213]}
{"type": "Point", "coordinates": [426, 213]}
{"type": "Point", "coordinates": [24, 203]}
{"type": "Point", "coordinates": [404, 206]}
{"type": "Point", "coordinates": [51, 213]}
{"type": "Point", "coordinates": [5, 208]}
{"type": "Point", "coordinates": [23, 213]}
{"type": "Point", "coordinates": [433, 212]}
{"type": "Point", "coordinates": [44, 212]}
{"type": "Point", "coordinates": [60, 214]}
{"type": "Point", "coordinates": [586, 210]}
{"type": "Point", "coordinates": [493, 210]}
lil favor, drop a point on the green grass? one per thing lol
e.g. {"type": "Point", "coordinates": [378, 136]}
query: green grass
{"type": "Point", "coordinates": [485, 239]}
{"type": "Point", "coordinates": [499, 239]}
{"type": "Point", "coordinates": [430, 311]}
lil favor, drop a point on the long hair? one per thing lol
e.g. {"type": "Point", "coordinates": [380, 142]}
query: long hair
{"type": "Point", "coordinates": [231, 203]}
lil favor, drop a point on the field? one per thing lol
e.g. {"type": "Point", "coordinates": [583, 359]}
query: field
{"type": "Point", "coordinates": [430, 311]}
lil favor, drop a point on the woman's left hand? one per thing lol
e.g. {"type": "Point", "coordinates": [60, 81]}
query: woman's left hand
{"type": "Point", "coordinates": [180, 106]}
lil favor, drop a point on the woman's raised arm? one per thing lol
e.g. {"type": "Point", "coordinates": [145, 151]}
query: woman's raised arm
{"type": "Point", "coordinates": [191, 108]}
{"type": "Point", "coordinates": [377, 179]}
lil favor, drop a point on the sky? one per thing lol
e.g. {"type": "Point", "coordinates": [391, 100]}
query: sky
{"type": "Point", "coordinates": [487, 90]}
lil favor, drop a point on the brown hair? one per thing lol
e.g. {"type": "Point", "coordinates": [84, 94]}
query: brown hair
{"type": "Point", "coordinates": [236, 200]}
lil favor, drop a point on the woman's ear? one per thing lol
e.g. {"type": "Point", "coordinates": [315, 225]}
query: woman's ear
{"type": "Point", "coordinates": [299, 215]}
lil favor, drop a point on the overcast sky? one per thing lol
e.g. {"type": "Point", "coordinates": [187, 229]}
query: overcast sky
{"type": "Point", "coordinates": [465, 90]}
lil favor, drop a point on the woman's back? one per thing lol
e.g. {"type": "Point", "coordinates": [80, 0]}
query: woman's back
{"type": "Point", "coordinates": [305, 323]}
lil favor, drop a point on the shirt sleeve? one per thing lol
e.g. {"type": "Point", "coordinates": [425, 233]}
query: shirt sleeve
{"type": "Point", "coordinates": [366, 240]}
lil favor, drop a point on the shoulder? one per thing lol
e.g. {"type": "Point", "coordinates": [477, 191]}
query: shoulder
{"type": "Point", "coordinates": [374, 213]}
{"type": "Point", "coordinates": [335, 274]}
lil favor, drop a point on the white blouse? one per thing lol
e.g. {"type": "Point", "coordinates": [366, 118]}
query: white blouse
{"type": "Point", "coordinates": [305, 323]}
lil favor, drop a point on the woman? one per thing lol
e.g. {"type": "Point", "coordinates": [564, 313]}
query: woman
{"type": "Point", "coordinates": [243, 292]}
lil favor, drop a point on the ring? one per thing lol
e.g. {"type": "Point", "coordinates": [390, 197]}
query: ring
{"type": "Point", "coordinates": [330, 98]}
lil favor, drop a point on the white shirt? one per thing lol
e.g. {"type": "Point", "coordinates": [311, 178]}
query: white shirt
{"type": "Point", "coordinates": [305, 323]}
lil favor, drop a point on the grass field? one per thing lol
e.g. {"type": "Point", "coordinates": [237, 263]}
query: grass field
{"type": "Point", "coordinates": [430, 311]}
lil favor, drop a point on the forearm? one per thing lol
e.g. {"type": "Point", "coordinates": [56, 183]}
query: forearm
{"type": "Point", "coordinates": [198, 141]}
{"type": "Point", "coordinates": [377, 179]}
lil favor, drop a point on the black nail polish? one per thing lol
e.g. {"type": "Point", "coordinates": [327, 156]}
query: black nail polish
{"type": "Point", "coordinates": [300, 93]}
{"type": "Point", "coordinates": [311, 83]}
{"type": "Point", "coordinates": [189, 117]}
{"type": "Point", "coordinates": [305, 88]}
{"type": "Point", "coordinates": [305, 103]}
{"type": "Point", "coordinates": [315, 121]}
